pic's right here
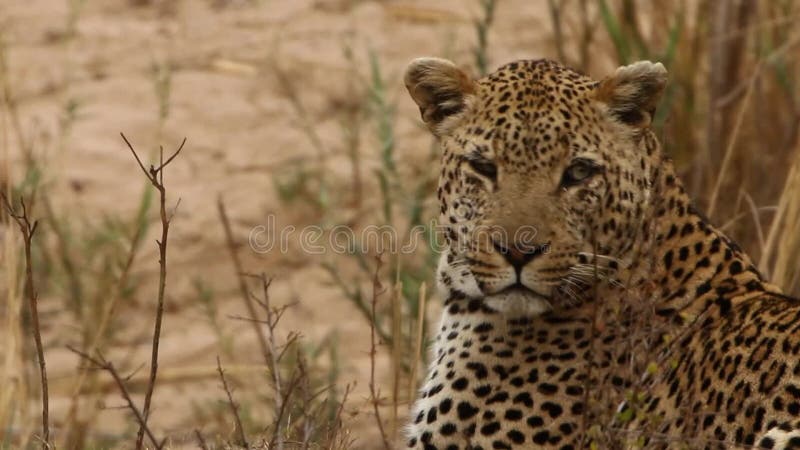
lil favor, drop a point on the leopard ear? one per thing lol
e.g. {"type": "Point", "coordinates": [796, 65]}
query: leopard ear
{"type": "Point", "coordinates": [440, 89]}
{"type": "Point", "coordinates": [633, 92]}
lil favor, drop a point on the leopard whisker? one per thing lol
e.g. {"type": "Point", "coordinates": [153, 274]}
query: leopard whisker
{"type": "Point", "coordinates": [572, 296]}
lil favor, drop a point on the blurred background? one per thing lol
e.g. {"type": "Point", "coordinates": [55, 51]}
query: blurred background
{"type": "Point", "coordinates": [295, 115]}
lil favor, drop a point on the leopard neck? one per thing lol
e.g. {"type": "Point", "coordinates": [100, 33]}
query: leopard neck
{"type": "Point", "coordinates": [694, 268]}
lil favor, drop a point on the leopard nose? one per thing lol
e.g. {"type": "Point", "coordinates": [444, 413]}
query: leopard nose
{"type": "Point", "coordinates": [519, 255]}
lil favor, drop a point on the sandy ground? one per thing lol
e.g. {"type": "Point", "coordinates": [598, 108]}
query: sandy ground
{"type": "Point", "coordinates": [242, 130]}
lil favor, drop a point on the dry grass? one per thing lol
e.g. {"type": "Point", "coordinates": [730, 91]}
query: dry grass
{"type": "Point", "coordinates": [730, 118]}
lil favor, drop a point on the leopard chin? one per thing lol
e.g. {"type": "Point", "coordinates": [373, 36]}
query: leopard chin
{"type": "Point", "coordinates": [518, 301]}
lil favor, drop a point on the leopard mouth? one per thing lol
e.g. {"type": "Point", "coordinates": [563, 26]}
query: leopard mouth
{"type": "Point", "coordinates": [520, 289]}
{"type": "Point", "coordinates": [519, 300]}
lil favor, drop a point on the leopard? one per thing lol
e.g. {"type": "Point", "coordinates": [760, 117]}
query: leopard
{"type": "Point", "coordinates": [587, 302]}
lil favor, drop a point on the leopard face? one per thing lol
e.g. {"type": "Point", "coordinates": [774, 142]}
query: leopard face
{"type": "Point", "coordinates": [545, 174]}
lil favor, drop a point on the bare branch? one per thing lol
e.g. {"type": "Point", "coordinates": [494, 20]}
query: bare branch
{"type": "Point", "coordinates": [169, 160]}
{"type": "Point", "coordinates": [243, 290]}
{"type": "Point", "coordinates": [156, 177]}
{"type": "Point", "coordinates": [200, 440]}
{"type": "Point", "coordinates": [282, 399]}
{"type": "Point", "coordinates": [270, 350]}
{"type": "Point", "coordinates": [233, 405]}
{"type": "Point", "coordinates": [135, 155]}
{"type": "Point", "coordinates": [337, 423]}
{"type": "Point", "coordinates": [377, 291]}
{"type": "Point", "coordinates": [281, 396]}
{"type": "Point", "coordinates": [174, 210]}
{"type": "Point", "coordinates": [28, 229]}
{"type": "Point", "coordinates": [153, 173]}
{"type": "Point", "coordinates": [101, 363]}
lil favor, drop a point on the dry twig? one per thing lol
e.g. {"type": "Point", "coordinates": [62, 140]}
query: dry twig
{"type": "Point", "coordinates": [200, 440]}
{"type": "Point", "coordinates": [275, 355]}
{"type": "Point", "coordinates": [101, 363]}
{"type": "Point", "coordinates": [590, 355]}
{"type": "Point", "coordinates": [377, 291]}
{"type": "Point", "coordinates": [555, 9]}
{"type": "Point", "coordinates": [156, 177]}
{"type": "Point", "coordinates": [28, 229]}
{"type": "Point", "coordinates": [240, 277]}
{"type": "Point", "coordinates": [233, 405]}
{"type": "Point", "coordinates": [282, 400]}
{"type": "Point", "coordinates": [334, 438]}
{"type": "Point", "coordinates": [751, 85]}
{"type": "Point", "coordinates": [420, 330]}
{"type": "Point", "coordinates": [273, 351]}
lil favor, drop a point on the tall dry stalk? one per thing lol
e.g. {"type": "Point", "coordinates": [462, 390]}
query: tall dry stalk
{"type": "Point", "coordinates": [418, 341]}
{"type": "Point", "coordinates": [99, 362]}
{"type": "Point", "coordinates": [731, 144]}
{"type": "Point", "coordinates": [12, 380]}
{"type": "Point", "coordinates": [783, 239]}
{"type": "Point", "coordinates": [28, 228]}
{"type": "Point", "coordinates": [397, 350]}
{"type": "Point", "coordinates": [790, 44]}
{"type": "Point", "coordinates": [156, 177]}
{"type": "Point", "coordinates": [12, 383]}
{"type": "Point", "coordinates": [244, 292]}
{"type": "Point", "coordinates": [374, 391]}
{"type": "Point", "coordinates": [241, 437]}
{"type": "Point", "coordinates": [482, 26]}
{"type": "Point", "coordinates": [726, 62]}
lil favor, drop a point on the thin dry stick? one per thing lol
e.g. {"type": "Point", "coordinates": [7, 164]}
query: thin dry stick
{"type": "Point", "coordinates": [587, 28]}
{"type": "Point", "coordinates": [13, 329]}
{"type": "Point", "coordinates": [558, 32]}
{"type": "Point", "coordinates": [200, 440]}
{"type": "Point", "coordinates": [277, 440]}
{"type": "Point", "coordinates": [412, 385]}
{"type": "Point", "coordinates": [377, 290]}
{"type": "Point", "coordinates": [308, 411]}
{"type": "Point", "coordinates": [101, 363]}
{"type": "Point", "coordinates": [756, 220]}
{"type": "Point", "coordinates": [783, 269]}
{"type": "Point", "coordinates": [156, 177]}
{"type": "Point", "coordinates": [590, 356]}
{"type": "Point", "coordinates": [28, 229]}
{"type": "Point", "coordinates": [273, 352]}
{"type": "Point", "coordinates": [274, 357]}
{"type": "Point", "coordinates": [739, 119]}
{"type": "Point", "coordinates": [233, 405]}
{"type": "Point", "coordinates": [337, 423]}
{"type": "Point", "coordinates": [726, 160]}
{"type": "Point", "coordinates": [397, 295]}
{"type": "Point", "coordinates": [240, 277]}
{"type": "Point", "coordinates": [776, 226]}
{"type": "Point", "coordinates": [725, 61]}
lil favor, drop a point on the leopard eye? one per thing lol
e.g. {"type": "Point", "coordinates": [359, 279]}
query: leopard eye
{"type": "Point", "coordinates": [580, 170]}
{"type": "Point", "coordinates": [484, 167]}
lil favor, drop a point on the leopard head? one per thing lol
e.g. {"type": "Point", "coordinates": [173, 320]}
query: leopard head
{"type": "Point", "coordinates": [546, 175]}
